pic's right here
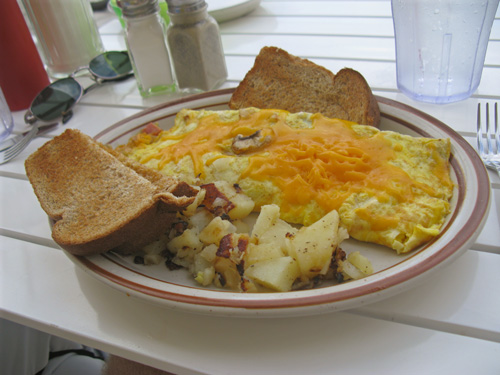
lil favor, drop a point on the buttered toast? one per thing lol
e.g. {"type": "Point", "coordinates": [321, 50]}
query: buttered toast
{"type": "Point", "coordinates": [279, 80]}
{"type": "Point", "coordinates": [100, 200]}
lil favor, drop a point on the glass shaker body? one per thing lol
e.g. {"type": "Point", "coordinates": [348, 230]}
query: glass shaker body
{"type": "Point", "coordinates": [66, 34]}
{"type": "Point", "coordinates": [6, 120]}
{"type": "Point", "coordinates": [147, 46]}
{"type": "Point", "coordinates": [196, 49]}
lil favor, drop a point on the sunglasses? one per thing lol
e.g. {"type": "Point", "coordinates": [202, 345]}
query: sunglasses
{"type": "Point", "coordinates": [57, 99]}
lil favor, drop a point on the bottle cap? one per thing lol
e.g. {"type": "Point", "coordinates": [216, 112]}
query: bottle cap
{"type": "Point", "coordinates": [185, 6]}
{"type": "Point", "coordinates": [138, 8]}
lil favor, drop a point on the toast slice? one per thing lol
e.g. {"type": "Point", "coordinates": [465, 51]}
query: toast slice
{"type": "Point", "coordinates": [98, 199]}
{"type": "Point", "coordinates": [279, 80]}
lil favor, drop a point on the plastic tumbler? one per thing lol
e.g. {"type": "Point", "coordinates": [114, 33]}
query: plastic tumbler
{"type": "Point", "coordinates": [441, 46]}
{"type": "Point", "coordinates": [6, 121]}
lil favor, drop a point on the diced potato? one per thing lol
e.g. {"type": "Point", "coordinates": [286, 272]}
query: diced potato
{"type": "Point", "coordinates": [280, 234]}
{"type": "Point", "coordinates": [277, 231]}
{"type": "Point", "coordinates": [249, 286]}
{"type": "Point", "coordinates": [226, 188]}
{"type": "Point", "coordinates": [260, 252]}
{"type": "Point", "coordinates": [182, 262]}
{"type": "Point", "coordinates": [229, 273]}
{"type": "Point", "coordinates": [241, 226]}
{"type": "Point", "coordinates": [202, 269]}
{"type": "Point", "coordinates": [199, 264]}
{"type": "Point", "coordinates": [351, 272]}
{"type": "Point", "coordinates": [209, 253]}
{"type": "Point", "coordinates": [233, 246]}
{"type": "Point", "coordinates": [189, 239]}
{"type": "Point", "coordinates": [267, 217]}
{"type": "Point", "coordinates": [215, 230]}
{"type": "Point", "coordinates": [244, 205]}
{"type": "Point", "coordinates": [205, 277]}
{"type": "Point", "coordinates": [156, 247]}
{"type": "Point", "coordinates": [187, 252]}
{"type": "Point", "coordinates": [153, 259]}
{"type": "Point", "coordinates": [360, 262]}
{"type": "Point", "coordinates": [153, 251]}
{"type": "Point", "coordinates": [313, 246]}
{"type": "Point", "coordinates": [277, 274]}
{"type": "Point", "coordinates": [200, 219]}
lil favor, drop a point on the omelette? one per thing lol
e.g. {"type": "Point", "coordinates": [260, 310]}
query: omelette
{"type": "Point", "coordinates": [388, 188]}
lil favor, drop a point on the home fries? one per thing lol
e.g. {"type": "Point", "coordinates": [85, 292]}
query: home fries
{"type": "Point", "coordinates": [388, 188]}
{"type": "Point", "coordinates": [221, 243]}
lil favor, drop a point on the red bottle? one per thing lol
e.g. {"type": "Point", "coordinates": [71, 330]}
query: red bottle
{"type": "Point", "coordinates": [22, 75]}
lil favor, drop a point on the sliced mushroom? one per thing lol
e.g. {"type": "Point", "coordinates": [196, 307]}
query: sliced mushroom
{"type": "Point", "coordinates": [243, 144]}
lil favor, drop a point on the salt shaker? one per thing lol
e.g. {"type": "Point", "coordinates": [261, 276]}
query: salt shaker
{"type": "Point", "coordinates": [66, 32]}
{"type": "Point", "coordinates": [195, 44]}
{"type": "Point", "coordinates": [147, 46]}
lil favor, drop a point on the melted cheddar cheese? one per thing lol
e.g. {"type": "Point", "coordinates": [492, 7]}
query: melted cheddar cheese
{"type": "Point", "coordinates": [388, 188]}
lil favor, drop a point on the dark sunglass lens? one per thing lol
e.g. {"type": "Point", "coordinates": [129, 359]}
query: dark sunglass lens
{"type": "Point", "coordinates": [109, 65]}
{"type": "Point", "coordinates": [56, 99]}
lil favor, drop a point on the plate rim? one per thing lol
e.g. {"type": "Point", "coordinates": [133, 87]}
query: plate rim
{"type": "Point", "coordinates": [292, 303]}
{"type": "Point", "coordinates": [232, 11]}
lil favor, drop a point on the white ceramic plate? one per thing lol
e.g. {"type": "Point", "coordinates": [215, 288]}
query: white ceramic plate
{"type": "Point", "coordinates": [225, 10]}
{"type": "Point", "coordinates": [394, 273]}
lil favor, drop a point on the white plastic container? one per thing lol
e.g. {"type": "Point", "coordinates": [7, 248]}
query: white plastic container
{"type": "Point", "coordinates": [441, 47]}
{"type": "Point", "coordinates": [66, 34]}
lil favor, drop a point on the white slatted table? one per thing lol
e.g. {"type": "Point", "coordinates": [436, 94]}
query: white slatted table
{"type": "Point", "coordinates": [450, 324]}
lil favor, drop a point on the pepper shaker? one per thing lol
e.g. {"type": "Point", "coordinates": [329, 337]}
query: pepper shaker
{"type": "Point", "coordinates": [195, 44]}
{"type": "Point", "coordinates": [147, 46]}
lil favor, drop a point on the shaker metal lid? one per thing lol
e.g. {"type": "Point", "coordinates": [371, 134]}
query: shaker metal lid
{"type": "Point", "coordinates": [137, 8]}
{"type": "Point", "coordinates": [185, 6]}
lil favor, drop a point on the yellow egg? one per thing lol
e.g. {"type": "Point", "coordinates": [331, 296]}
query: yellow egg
{"type": "Point", "coordinates": [389, 188]}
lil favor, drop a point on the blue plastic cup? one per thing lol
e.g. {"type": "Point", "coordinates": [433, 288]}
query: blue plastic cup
{"type": "Point", "coordinates": [6, 120]}
{"type": "Point", "coordinates": [441, 47]}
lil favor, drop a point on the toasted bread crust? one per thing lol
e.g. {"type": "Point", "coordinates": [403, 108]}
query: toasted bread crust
{"type": "Point", "coordinates": [282, 81]}
{"type": "Point", "coordinates": [97, 201]}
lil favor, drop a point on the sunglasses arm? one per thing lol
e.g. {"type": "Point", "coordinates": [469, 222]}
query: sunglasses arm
{"type": "Point", "coordinates": [100, 81]}
{"type": "Point", "coordinates": [92, 86]}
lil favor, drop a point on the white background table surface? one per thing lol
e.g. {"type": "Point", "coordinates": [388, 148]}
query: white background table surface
{"type": "Point", "coordinates": [448, 325]}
